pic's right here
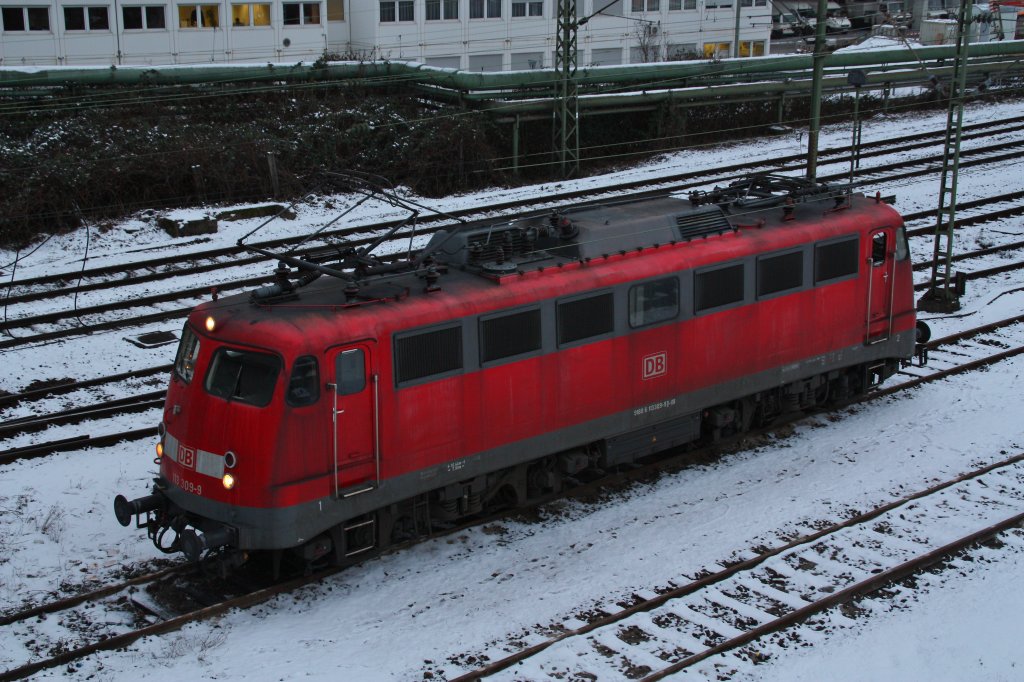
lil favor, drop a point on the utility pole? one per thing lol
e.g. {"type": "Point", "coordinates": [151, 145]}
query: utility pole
{"type": "Point", "coordinates": [566, 129]}
{"type": "Point", "coordinates": [946, 287]}
{"type": "Point", "coordinates": [819, 72]}
{"type": "Point", "coordinates": [567, 132]}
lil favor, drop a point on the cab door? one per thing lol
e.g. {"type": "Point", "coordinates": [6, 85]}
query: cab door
{"type": "Point", "coordinates": [355, 419]}
{"type": "Point", "coordinates": [881, 264]}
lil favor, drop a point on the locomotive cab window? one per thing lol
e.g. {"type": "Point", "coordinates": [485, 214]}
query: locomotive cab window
{"type": "Point", "coordinates": [719, 287]}
{"type": "Point", "coordinates": [879, 242]}
{"type": "Point", "coordinates": [304, 383]}
{"type": "Point", "coordinates": [427, 354]}
{"type": "Point", "coordinates": [507, 336]}
{"type": "Point", "coordinates": [776, 274]}
{"type": "Point", "coordinates": [243, 376]}
{"type": "Point", "coordinates": [902, 248]}
{"type": "Point", "coordinates": [585, 318]}
{"type": "Point", "coordinates": [350, 371]}
{"type": "Point", "coordinates": [653, 302]}
{"type": "Point", "coordinates": [188, 351]}
{"type": "Point", "coordinates": [836, 259]}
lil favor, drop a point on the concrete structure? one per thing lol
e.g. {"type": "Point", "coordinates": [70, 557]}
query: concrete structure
{"type": "Point", "coordinates": [477, 35]}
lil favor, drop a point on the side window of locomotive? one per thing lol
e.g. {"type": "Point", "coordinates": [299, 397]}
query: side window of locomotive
{"type": "Point", "coordinates": [188, 351]}
{"type": "Point", "coordinates": [243, 376]}
{"type": "Point", "coordinates": [304, 383]}
{"type": "Point", "coordinates": [835, 260]}
{"type": "Point", "coordinates": [350, 371]}
{"type": "Point", "coordinates": [878, 246]}
{"type": "Point", "coordinates": [427, 354]}
{"type": "Point", "coordinates": [509, 335]}
{"type": "Point", "coordinates": [718, 287]}
{"type": "Point", "coordinates": [784, 272]}
{"type": "Point", "coordinates": [584, 318]}
{"type": "Point", "coordinates": [902, 248]}
{"type": "Point", "coordinates": [653, 302]}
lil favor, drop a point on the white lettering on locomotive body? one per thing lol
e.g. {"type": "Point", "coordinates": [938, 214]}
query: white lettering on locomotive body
{"type": "Point", "coordinates": [187, 485]}
{"type": "Point", "coordinates": [187, 457]}
{"type": "Point", "coordinates": [655, 365]}
{"type": "Point", "coordinates": [654, 407]}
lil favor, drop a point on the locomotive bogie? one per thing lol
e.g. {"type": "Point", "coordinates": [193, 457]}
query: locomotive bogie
{"type": "Point", "coordinates": [350, 424]}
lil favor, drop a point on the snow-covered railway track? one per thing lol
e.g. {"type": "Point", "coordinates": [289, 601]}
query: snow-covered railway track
{"type": "Point", "coordinates": [671, 629]}
{"type": "Point", "coordinates": [36, 311]}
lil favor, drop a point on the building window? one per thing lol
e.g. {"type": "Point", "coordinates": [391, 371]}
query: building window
{"type": "Point", "coordinates": [646, 5]}
{"type": "Point", "coordinates": [198, 16]}
{"type": "Point", "coordinates": [149, 17]}
{"type": "Point", "coordinates": [402, 10]}
{"type": "Point", "coordinates": [442, 9]}
{"type": "Point", "coordinates": [250, 15]}
{"type": "Point", "coordinates": [507, 336]}
{"type": "Point", "coordinates": [522, 8]}
{"type": "Point", "coordinates": [296, 13]}
{"type": "Point", "coordinates": [718, 287]}
{"type": "Point", "coordinates": [585, 318]}
{"type": "Point", "coordinates": [484, 9]}
{"type": "Point", "coordinates": [653, 302]}
{"type": "Point", "coordinates": [26, 18]}
{"type": "Point", "coordinates": [335, 10]}
{"type": "Point", "coordinates": [86, 19]}
{"type": "Point", "coordinates": [427, 354]}
{"type": "Point", "coordinates": [752, 48]}
{"type": "Point", "coordinates": [717, 50]}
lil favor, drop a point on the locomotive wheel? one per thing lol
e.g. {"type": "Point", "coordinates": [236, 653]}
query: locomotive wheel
{"type": "Point", "coordinates": [403, 530]}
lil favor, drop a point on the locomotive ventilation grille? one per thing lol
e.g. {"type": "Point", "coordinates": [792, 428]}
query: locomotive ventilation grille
{"type": "Point", "coordinates": [703, 222]}
{"type": "Point", "coordinates": [498, 245]}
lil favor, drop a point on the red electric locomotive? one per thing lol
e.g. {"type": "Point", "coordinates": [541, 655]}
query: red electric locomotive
{"type": "Point", "coordinates": [335, 417]}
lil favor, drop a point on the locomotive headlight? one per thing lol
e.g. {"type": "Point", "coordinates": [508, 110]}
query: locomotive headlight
{"type": "Point", "coordinates": [211, 324]}
{"type": "Point", "coordinates": [160, 449]}
{"type": "Point", "coordinates": [228, 481]}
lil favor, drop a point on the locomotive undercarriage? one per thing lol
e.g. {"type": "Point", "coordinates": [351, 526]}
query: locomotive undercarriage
{"type": "Point", "coordinates": [532, 482]}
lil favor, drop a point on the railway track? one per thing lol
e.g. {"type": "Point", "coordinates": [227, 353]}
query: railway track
{"type": "Point", "coordinates": [721, 611]}
{"type": "Point", "coordinates": [669, 630]}
{"type": "Point", "coordinates": [158, 269]}
{"type": "Point", "coordinates": [40, 327]}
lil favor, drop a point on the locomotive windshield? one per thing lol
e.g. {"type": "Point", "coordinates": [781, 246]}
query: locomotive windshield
{"type": "Point", "coordinates": [188, 351]}
{"type": "Point", "coordinates": [243, 376]}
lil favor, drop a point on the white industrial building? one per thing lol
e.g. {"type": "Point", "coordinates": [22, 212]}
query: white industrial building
{"type": "Point", "coordinates": [479, 35]}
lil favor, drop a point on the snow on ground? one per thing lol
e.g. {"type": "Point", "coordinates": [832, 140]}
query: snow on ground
{"type": "Point", "coordinates": [401, 615]}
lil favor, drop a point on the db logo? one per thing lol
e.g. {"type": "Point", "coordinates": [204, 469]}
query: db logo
{"type": "Point", "coordinates": [187, 457]}
{"type": "Point", "coordinates": [655, 365]}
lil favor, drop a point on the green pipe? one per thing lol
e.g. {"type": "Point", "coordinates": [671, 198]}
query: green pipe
{"type": "Point", "coordinates": [707, 93]}
{"type": "Point", "coordinates": [388, 73]}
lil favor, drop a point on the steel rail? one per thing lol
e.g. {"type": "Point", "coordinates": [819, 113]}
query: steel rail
{"type": "Point", "coordinates": [75, 600]}
{"type": "Point", "coordinates": [225, 251]}
{"type": "Point", "coordinates": [745, 565]}
{"type": "Point", "coordinates": [182, 312]}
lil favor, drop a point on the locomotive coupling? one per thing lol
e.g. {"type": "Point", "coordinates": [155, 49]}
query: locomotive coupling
{"type": "Point", "coordinates": [193, 544]}
{"type": "Point", "coordinates": [125, 511]}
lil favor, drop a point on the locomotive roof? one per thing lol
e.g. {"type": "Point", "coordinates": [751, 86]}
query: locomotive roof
{"type": "Point", "coordinates": [477, 268]}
